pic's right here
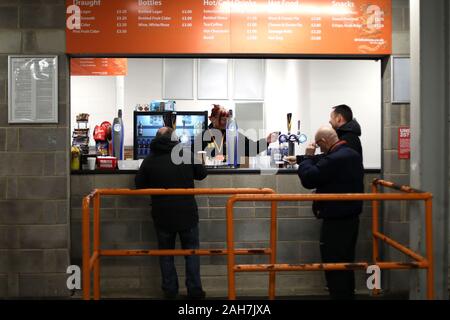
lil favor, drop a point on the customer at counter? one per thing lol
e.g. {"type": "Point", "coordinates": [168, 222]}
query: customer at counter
{"type": "Point", "coordinates": [214, 138]}
{"type": "Point", "coordinates": [338, 170]}
{"type": "Point", "coordinates": [347, 128]}
{"type": "Point", "coordinates": [173, 215]}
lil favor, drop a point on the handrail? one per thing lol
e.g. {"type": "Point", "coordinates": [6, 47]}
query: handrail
{"type": "Point", "coordinates": [395, 186]}
{"type": "Point", "coordinates": [92, 262]}
{"type": "Point", "coordinates": [428, 228]}
{"type": "Point", "coordinates": [252, 194]}
{"type": "Point", "coordinates": [410, 194]}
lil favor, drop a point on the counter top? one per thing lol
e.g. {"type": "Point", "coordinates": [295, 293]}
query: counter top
{"type": "Point", "coordinates": [211, 171]}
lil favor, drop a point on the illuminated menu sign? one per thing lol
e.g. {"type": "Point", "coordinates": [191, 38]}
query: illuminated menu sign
{"type": "Point", "coordinates": [358, 27]}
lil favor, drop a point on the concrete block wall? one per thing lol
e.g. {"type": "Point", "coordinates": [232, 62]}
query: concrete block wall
{"type": "Point", "coordinates": [395, 213]}
{"type": "Point", "coordinates": [34, 176]}
{"type": "Point", "coordinates": [127, 224]}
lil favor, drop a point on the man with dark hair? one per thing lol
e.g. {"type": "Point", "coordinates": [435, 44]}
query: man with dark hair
{"type": "Point", "coordinates": [338, 170]}
{"type": "Point", "coordinates": [173, 215]}
{"type": "Point", "coordinates": [347, 128]}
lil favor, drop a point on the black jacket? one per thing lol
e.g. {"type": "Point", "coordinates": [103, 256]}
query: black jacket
{"type": "Point", "coordinates": [339, 171]}
{"type": "Point", "coordinates": [350, 132]}
{"type": "Point", "coordinates": [170, 213]}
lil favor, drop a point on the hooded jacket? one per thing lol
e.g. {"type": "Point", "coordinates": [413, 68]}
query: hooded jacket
{"type": "Point", "coordinates": [170, 213]}
{"type": "Point", "coordinates": [338, 171]}
{"type": "Point", "coordinates": [350, 132]}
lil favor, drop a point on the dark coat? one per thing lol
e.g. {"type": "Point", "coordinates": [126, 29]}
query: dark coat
{"type": "Point", "coordinates": [170, 213]}
{"type": "Point", "coordinates": [339, 171]}
{"type": "Point", "coordinates": [350, 132]}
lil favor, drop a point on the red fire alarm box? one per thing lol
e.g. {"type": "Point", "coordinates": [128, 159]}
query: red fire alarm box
{"type": "Point", "coordinates": [404, 143]}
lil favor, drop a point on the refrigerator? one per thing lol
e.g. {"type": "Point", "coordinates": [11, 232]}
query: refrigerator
{"type": "Point", "coordinates": [188, 125]}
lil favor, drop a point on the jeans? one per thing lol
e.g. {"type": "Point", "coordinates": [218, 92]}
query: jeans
{"type": "Point", "coordinates": [189, 240]}
{"type": "Point", "coordinates": [337, 244]}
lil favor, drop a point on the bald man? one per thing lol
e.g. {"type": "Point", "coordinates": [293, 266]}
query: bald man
{"type": "Point", "coordinates": [338, 169]}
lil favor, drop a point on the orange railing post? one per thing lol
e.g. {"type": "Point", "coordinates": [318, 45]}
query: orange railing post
{"type": "Point", "coordinates": [273, 247]}
{"type": "Point", "coordinates": [230, 250]}
{"type": "Point", "coordinates": [86, 249]}
{"type": "Point", "coordinates": [375, 229]}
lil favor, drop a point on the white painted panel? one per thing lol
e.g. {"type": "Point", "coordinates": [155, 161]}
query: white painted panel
{"type": "Point", "coordinates": [250, 119]}
{"type": "Point", "coordinates": [178, 79]}
{"type": "Point", "coordinates": [212, 79]}
{"type": "Point", "coordinates": [248, 80]}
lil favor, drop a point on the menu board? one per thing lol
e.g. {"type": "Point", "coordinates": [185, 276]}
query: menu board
{"type": "Point", "coordinates": [358, 27]}
{"type": "Point", "coordinates": [98, 67]}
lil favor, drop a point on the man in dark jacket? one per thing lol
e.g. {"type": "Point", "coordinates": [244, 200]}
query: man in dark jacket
{"type": "Point", "coordinates": [347, 128]}
{"type": "Point", "coordinates": [338, 170]}
{"type": "Point", "coordinates": [173, 215]}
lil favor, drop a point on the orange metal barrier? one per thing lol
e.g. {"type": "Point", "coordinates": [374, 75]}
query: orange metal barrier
{"type": "Point", "coordinates": [410, 194]}
{"type": "Point", "coordinates": [92, 261]}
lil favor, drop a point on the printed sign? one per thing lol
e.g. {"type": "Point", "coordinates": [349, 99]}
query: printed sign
{"type": "Point", "coordinates": [98, 67]}
{"type": "Point", "coordinates": [404, 143]}
{"type": "Point", "coordinates": [358, 27]}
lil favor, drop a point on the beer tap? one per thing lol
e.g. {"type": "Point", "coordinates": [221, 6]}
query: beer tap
{"type": "Point", "coordinates": [291, 139]}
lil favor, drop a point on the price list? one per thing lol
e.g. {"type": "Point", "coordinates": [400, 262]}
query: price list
{"type": "Point", "coordinates": [122, 21]}
{"type": "Point", "coordinates": [355, 27]}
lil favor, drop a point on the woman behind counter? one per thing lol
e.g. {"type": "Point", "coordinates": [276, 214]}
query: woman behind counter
{"type": "Point", "coordinates": [214, 139]}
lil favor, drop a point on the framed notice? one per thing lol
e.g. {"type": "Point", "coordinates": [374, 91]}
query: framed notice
{"type": "Point", "coordinates": [33, 89]}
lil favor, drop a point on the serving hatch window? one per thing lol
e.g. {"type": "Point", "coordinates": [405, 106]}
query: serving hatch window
{"type": "Point", "coordinates": [259, 91]}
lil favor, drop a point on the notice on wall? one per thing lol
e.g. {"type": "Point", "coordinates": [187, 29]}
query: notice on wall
{"type": "Point", "coordinates": [33, 89]}
{"type": "Point", "coordinates": [98, 66]}
{"type": "Point", "coordinates": [404, 143]}
{"type": "Point", "coordinates": [358, 27]}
